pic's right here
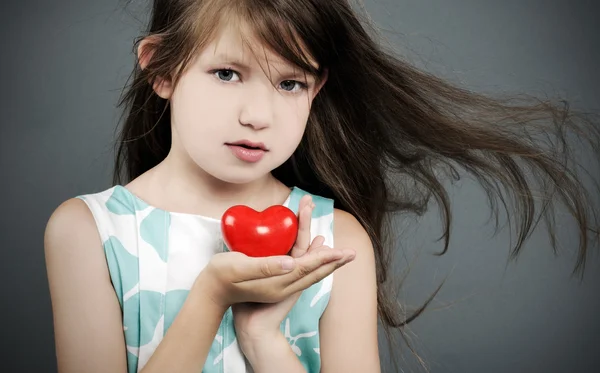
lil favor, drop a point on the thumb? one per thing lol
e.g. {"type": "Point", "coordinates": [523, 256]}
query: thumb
{"type": "Point", "coordinates": [263, 267]}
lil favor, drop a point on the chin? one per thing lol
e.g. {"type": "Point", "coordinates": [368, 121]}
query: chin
{"type": "Point", "coordinates": [238, 177]}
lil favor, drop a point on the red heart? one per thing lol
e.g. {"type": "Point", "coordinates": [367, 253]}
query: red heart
{"type": "Point", "coordinates": [270, 232]}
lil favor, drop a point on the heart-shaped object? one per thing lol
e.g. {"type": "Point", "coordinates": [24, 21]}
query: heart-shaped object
{"type": "Point", "coordinates": [267, 233]}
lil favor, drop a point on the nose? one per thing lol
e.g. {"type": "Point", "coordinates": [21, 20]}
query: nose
{"type": "Point", "coordinates": [257, 108]}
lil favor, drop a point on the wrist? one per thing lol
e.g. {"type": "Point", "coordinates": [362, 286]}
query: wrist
{"type": "Point", "coordinates": [260, 349]}
{"type": "Point", "coordinates": [207, 289]}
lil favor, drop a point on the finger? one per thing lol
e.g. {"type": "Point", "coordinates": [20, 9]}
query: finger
{"type": "Point", "coordinates": [303, 266]}
{"type": "Point", "coordinates": [249, 268]}
{"type": "Point", "coordinates": [314, 268]}
{"type": "Point", "coordinates": [309, 263]}
{"type": "Point", "coordinates": [304, 217]}
{"type": "Point", "coordinates": [316, 244]}
{"type": "Point", "coordinates": [302, 243]}
{"type": "Point", "coordinates": [319, 274]}
{"type": "Point", "coordinates": [323, 255]}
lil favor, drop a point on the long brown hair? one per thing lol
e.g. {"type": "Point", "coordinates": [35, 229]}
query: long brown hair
{"type": "Point", "coordinates": [382, 135]}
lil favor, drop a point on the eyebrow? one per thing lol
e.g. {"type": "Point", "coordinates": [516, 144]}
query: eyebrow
{"type": "Point", "coordinates": [228, 60]}
{"type": "Point", "coordinates": [238, 64]}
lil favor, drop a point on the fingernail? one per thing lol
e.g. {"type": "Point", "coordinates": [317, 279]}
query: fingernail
{"type": "Point", "coordinates": [287, 264]}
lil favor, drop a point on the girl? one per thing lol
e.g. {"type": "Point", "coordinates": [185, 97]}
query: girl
{"type": "Point", "coordinates": [287, 102]}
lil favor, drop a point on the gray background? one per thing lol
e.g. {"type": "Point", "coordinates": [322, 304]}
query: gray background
{"type": "Point", "coordinates": [63, 65]}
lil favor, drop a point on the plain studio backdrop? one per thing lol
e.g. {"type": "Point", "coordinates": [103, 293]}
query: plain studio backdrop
{"type": "Point", "coordinates": [64, 63]}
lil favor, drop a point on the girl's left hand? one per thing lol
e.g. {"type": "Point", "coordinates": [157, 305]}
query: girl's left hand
{"type": "Point", "coordinates": [256, 322]}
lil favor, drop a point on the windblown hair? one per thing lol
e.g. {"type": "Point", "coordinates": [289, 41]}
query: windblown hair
{"type": "Point", "coordinates": [382, 135]}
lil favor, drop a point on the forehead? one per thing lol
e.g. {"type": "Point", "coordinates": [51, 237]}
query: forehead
{"type": "Point", "coordinates": [237, 42]}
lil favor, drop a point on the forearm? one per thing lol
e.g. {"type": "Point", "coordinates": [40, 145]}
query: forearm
{"type": "Point", "coordinates": [187, 342]}
{"type": "Point", "coordinates": [274, 356]}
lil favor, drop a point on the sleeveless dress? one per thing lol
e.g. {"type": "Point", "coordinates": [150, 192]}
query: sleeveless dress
{"type": "Point", "coordinates": [154, 256]}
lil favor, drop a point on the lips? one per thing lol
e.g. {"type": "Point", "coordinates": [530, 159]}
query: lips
{"type": "Point", "coordinates": [247, 151]}
{"type": "Point", "coordinates": [247, 144]}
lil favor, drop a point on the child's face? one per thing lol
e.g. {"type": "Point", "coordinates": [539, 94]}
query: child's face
{"type": "Point", "coordinates": [217, 103]}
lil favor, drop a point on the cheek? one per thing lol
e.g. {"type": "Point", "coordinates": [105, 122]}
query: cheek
{"type": "Point", "coordinates": [291, 131]}
{"type": "Point", "coordinates": [199, 111]}
{"type": "Point", "coordinates": [292, 114]}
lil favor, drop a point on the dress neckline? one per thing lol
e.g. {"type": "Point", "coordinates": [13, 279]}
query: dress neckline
{"type": "Point", "coordinates": [139, 200]}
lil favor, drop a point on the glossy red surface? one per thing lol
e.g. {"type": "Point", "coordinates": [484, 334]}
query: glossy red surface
{"type": "Point", "coordinates": [270, 232]}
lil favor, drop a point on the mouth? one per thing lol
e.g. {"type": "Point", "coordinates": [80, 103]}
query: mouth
{"type": "Point", "coordinates": [246, 144]}
{"type": "Point", "coordinates": [247, 151]}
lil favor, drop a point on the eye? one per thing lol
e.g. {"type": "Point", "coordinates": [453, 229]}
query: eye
{"type": "Point", "coordinates": [288, 85]}
{"type": "Point", "coordinates": [226, 75]}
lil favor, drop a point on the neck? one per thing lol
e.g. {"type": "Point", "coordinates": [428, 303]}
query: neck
{"type": "Point", "coordinates": [176, 189]}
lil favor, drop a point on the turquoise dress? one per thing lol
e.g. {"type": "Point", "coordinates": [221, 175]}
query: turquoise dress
{"type": "Point", "coordinates": [153, 258]}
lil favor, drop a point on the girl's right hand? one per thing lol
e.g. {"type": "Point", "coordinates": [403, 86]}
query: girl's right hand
{"type": "Point", "coordinates": [233, 277]}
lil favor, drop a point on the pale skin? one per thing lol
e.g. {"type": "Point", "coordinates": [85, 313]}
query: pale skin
{"type": "Point", "coordinates": [79, 281]}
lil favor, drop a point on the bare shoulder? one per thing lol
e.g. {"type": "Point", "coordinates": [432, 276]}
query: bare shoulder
{"type": "Point", "coordinates": [72, 245]}
{"type": "Point", "coordinates": [70, 228]}
{"type": "Point", "coordinates": [80, 291]}
{"type": "Point", "coordinates": [71, 218]}
{"type": "Point", "coordinates": [348, 230]}
{"type": "Point", "coordinates": [349, 324]}
{"type": "Point", "coordinates": [348, 233]}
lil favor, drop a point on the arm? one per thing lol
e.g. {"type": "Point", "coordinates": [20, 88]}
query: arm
{"type": "Point", "coordinates": [87, 317]}
{"type": "Point", "coordinates": [187, 342]}
{"type": "Point", "coordinates": [88, 330]}
{"type": "Point", "coordinates": [349, 323]}
{"type": "Point", "coordinates": [274, 355]}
